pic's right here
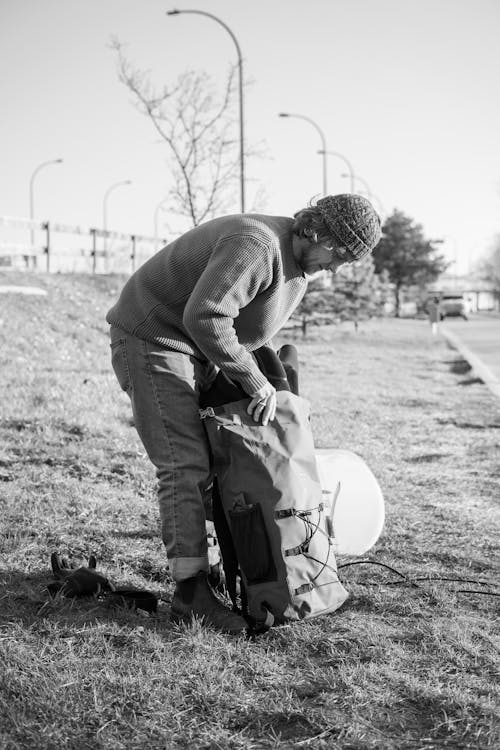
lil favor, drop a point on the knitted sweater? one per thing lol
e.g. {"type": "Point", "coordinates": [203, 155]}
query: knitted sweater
{"type": "Point", "coordinates": [218, 292]}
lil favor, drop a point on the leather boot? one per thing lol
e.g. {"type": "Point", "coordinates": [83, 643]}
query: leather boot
{"type": "Point", "coordinates": [194, 597]}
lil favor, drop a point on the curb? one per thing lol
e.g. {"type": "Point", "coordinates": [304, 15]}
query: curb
{"type": "Point", "coordinates": [10, 289]}
{"type": "Point", "coordinates": [481, 370]}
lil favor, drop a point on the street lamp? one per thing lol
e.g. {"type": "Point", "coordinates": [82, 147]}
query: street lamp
{"type": "Point", "coordinates": [32, 197]}
{"type": "Point", "coordinates": [176, 12]}
{"type": "Point", "coordinates": [360, 179]}
{"type": "Point", "coordinates": [348, 163]}
{"type": "Point", "coordinates": [323, 142]}
{"type": "Point", "coordinates": [442, 241]}
{"type": "Point", "coordinates": [105, 209]}
{"type": "Point", "coordinates": [157, 210]}
{"type": "Point", "coordinates": [371, 195]}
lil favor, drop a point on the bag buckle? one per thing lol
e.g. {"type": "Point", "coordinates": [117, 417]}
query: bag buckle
{"type": "Point", "coordinates": [208, 412]}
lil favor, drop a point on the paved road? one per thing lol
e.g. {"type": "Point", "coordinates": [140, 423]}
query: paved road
{"type": "Point", "coordinates": [478, 340]}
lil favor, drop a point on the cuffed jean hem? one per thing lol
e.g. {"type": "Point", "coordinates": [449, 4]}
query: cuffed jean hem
{"type": "Point", "coordinates": [187, 567]}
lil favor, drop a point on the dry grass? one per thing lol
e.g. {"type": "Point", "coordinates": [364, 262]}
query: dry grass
{"type": "Point", "coordinates": [397, 667]}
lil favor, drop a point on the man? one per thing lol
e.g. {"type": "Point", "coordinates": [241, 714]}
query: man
{"type": "Point", "coordinates": [203, 303]}
{"type": "Point", "coordinates": [434, 312]}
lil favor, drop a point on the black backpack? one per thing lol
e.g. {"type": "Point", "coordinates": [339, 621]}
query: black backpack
{"type": "Point", "coordinates": [270, 514]}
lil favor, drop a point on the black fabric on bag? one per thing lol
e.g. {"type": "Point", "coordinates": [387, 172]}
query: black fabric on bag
{"type": "Point", "coordinates": [288, 355]}
{"type": "Point", "coordinates": [252, 543]}
{"type": "Point", "coordinates": [280, 368]}
{"type": "Point", "coordinates": [272, 367]}
{"type": "Point", "coordinates": [222, 391]}
{"type": "Point", "coordinates": [226, 544]}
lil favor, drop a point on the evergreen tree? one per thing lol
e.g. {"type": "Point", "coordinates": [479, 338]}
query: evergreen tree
{"type": "Point", "coordinates": [406, 255]}
{"type": "Point", "coordinates": [359, 292]}
{"type": "Point", "coordinates": [355, 293]}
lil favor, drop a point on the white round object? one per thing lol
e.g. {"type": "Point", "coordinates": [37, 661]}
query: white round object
{"type": "Point", "coordinates": [358, 503]}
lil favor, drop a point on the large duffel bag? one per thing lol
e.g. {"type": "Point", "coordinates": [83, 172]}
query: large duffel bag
{"type": "Point", "coordinates": [272, 512]}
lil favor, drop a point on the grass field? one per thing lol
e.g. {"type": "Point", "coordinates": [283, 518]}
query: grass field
{"type": "Point", "coordinates": [397, 667]}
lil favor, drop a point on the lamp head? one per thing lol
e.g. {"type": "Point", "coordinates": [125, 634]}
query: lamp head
{"type": "Point", "coordinates": [174, 12]}
{"type": "Point", "coordinates": [283, 114]}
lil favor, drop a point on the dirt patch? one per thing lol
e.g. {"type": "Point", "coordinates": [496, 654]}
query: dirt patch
{"type": "Point", "coordinates": [426, 458]}
{"type": "Point", "coordinates": [460, 366]}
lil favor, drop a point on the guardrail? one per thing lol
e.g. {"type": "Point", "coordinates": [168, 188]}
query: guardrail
{"type": "Point", "coordinates": [131, 249]}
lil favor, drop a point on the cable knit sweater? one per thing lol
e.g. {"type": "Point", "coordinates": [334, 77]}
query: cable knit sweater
{"type": "Point", "coordinates": [218, 292]}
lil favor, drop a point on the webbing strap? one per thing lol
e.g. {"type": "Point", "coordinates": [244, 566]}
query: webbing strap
{"type": "Point", "coordinates": [304, 588]}
{"type": "Point", "coordinates": [299, 550]}
{"type": "Point", "coordinates": [288, 512]}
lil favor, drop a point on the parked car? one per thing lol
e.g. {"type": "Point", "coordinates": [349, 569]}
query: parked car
{"type": "Point", "coordinates": [454, 305]}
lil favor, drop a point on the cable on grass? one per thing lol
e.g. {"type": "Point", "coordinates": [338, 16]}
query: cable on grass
{"type": "Point", "coordinates": [382, 565]}
{"type": "Point", "coordinates": [411, 581]}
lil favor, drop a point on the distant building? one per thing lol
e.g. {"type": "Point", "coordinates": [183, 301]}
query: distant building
{"type": "Point", "coordinates": [480, 294]}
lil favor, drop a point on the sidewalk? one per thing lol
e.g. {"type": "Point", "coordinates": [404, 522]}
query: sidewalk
{"type": "Point", "coordinates": [478, 341]}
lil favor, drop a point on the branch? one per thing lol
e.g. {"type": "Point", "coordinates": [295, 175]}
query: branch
{"type": "Point", "coordinates": [195, 126]}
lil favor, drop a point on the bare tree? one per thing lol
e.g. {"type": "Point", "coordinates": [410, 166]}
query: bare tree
{"type": "Point", "coordinates": [199, 128]}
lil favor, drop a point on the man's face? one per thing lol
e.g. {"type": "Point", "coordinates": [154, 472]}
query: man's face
{"type": "Point", "coordinates": [323, 256]}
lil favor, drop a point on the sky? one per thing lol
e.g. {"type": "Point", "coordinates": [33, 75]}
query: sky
{"type": "Point", "coordinates": [406, 90]}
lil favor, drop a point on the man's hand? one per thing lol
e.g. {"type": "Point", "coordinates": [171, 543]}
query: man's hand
{"type": "Point", "coordinates": [262, 407]}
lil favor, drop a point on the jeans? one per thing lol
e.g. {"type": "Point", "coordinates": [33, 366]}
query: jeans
{"type": "Point", "coordinates": [163, 389]}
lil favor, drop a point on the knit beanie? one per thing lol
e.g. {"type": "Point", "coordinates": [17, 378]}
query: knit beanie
{"type": "Point", "coordinates": [352, 220]}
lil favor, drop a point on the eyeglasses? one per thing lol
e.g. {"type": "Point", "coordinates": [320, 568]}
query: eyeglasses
{"type": "Point", "coordinates": [339, 252]}
{"type": "Point", "coordinates": [346, 254]}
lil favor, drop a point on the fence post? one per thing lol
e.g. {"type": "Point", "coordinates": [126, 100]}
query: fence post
{"type": "Point", "coordinates": [304, 326]}
{"type": "Point", "coordinates": [132, 257]}
{"type": "Point", "coordinates": [93, 253]}
{"type": "Point", "coordinates": [46, 226]}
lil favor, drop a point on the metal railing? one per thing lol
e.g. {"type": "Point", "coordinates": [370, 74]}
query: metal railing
{"type": "Point", "coordinates": [122, 254]}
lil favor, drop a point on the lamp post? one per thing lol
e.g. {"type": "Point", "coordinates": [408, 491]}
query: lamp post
{"type": "Point", "coordinates": [32, 196]}
{"type": "Point", "coordinates": [346, 162]}
{"type": "Point", "coordinates": [442, 241]}
{"type": "Point", "coordinates": [323, 142]}
{"type": "Point", "coordinates": [359, 179]}
{"type": "Point", "coordinates": [371, 195]}
{"type": "Point", "coordinates": [105, 209]}
{"type": "Point", "coordinates": [157, 211]}
{"type": "Point", "coordinates": [176, 12]}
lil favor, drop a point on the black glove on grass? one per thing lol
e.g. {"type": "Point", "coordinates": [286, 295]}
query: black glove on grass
{"type": "Point", "coordinates": [83, 581]}
{"type": "Point", "coordinates": [86, 581]}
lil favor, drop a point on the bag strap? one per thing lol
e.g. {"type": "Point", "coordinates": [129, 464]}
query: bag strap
{"type": "Point", "coordinates": [225, 539]}
{"type": "Point", "coordinates": [280, 368]}
{"type": "Point", "coordinates": [289, 357]}
{"type": "Point", "coordinates": [272, 367]}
